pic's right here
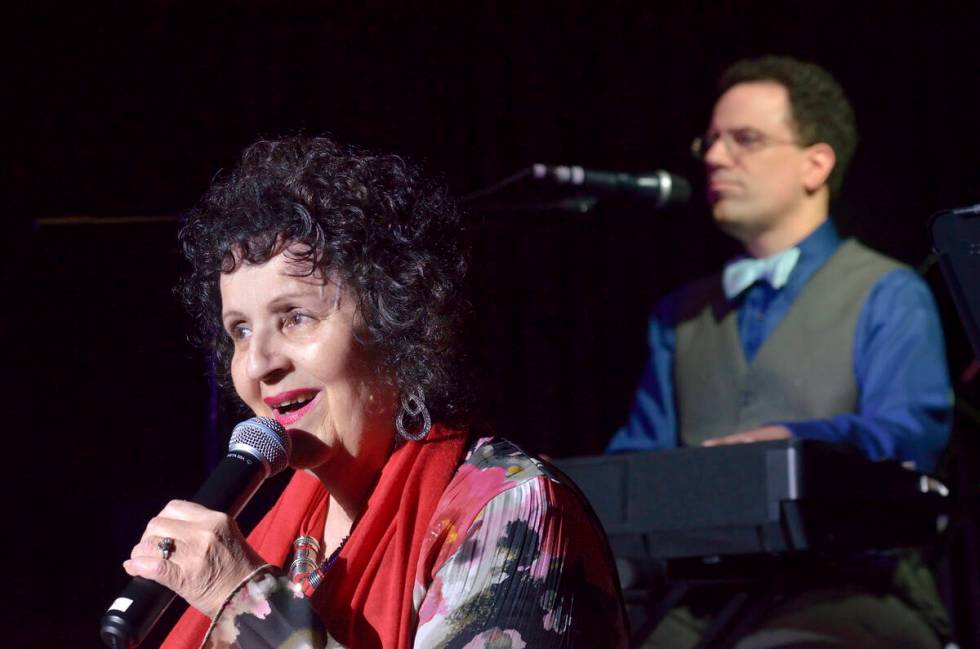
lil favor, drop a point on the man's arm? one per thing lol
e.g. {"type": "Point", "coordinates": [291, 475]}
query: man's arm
{"type": "Point", "coordinates": [652, 423]}
{"type": "Point", "coordinates": [905, 402]}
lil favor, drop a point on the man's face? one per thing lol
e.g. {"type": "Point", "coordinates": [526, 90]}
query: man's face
{"type": "Point", "coordinates": [754, 167]}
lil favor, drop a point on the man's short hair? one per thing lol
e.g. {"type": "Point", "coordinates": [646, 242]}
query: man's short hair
{"type": "Point", "coordinates": [821, 111]}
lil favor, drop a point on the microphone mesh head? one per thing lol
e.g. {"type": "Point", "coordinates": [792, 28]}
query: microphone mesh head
{"type": "Point", "coordinates": [267, 438]}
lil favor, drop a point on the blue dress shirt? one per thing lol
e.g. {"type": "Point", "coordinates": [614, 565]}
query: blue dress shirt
{"type": "Point", "coordinates": [905, 400]}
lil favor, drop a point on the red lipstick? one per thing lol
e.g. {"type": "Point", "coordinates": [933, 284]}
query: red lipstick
{"type": "Point", "coordinates": [289, 398]}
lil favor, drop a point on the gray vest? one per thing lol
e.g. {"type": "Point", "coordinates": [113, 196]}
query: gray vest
{"type": "Point", "coordinates": [804, 369]}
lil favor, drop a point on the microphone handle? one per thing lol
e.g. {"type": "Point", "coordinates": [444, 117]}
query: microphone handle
{"type": "Point", "coordinates": [232, 483]}
{"type": "Point", "coordinates": [609, 179]}
{"type": "Point", "coordinates": [138, 608]}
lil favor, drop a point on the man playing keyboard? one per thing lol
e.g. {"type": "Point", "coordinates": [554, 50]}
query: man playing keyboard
{"type": "Point", "coordinates": [807, 335]}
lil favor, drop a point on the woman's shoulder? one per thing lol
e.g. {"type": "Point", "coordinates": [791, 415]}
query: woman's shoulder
{"type": "Point", "coordinates": [501, 460]}
{"type": "Point", "coordinates": [497, 471]}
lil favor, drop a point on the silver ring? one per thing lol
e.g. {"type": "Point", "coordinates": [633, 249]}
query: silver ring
{"type": "Point", "coordinates": [167, 547]}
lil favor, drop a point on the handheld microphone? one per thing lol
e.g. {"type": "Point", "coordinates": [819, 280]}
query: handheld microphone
{"type": "Point", "coordinates": [259, 448]}
{"type": "Point", "coordinates": [664, 187]}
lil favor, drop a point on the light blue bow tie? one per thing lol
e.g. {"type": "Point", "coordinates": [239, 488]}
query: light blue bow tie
{"type": "Point", "coordinates": [775, 269]}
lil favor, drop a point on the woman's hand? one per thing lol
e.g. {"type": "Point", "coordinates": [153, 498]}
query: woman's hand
{"type": "Point", "coordinates": [209, 559]}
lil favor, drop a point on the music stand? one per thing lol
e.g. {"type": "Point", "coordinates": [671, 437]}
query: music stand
{"type": "Point", "coordinates": [955, 237]}
{"type": "Point", "coordinates": [956, 241]}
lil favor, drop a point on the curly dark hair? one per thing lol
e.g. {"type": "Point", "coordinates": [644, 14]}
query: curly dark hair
{"type": "Point", "coordinates": [389, 233]}
{"type": "Point", "coordinates": [821, 111]}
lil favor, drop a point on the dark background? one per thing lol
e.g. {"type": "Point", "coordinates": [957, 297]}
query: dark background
{"type": "Point", "coordinates": [121, 112]}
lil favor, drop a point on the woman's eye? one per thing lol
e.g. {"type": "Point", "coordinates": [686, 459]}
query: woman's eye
{"type": "Point", "coordinates": [239, 331]}
{"type": "Point", "coordinates": [294, 318]}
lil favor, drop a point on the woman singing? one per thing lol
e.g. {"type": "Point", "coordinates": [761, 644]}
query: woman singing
{"type": "Point", "coordinates": [329, 283]}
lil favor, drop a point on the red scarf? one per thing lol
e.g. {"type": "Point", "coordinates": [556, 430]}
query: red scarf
{"type": "Point", "coordinates": [366, 598]}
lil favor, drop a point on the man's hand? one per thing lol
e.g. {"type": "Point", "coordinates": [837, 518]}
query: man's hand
{"type": "Point", "coordinates": [761, 434]}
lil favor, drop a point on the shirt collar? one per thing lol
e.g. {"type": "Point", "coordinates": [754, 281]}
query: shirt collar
{"type": "Point", "coordinates": [819, 245]}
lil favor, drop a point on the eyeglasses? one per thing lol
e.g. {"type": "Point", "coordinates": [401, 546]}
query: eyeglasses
{"type": "Point", "coordinates": [737, 141]}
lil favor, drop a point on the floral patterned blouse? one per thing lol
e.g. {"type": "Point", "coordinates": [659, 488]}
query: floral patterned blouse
{"type": "Point", "coordinates": [532, 570]}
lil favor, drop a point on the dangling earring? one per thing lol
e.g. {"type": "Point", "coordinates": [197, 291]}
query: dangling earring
{"type": "Point", "coordinates": [413, 405]}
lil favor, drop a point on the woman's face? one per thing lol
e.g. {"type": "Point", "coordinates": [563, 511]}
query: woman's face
{"type": "Point", "coordinates": [296, 360]}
